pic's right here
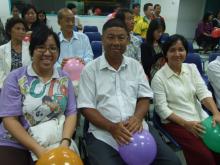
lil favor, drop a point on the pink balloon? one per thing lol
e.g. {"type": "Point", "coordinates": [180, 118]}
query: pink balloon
{"type": "Point", "coordinates": [73, 67]}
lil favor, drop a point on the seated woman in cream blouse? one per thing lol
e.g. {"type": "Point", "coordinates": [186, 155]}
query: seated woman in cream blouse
{"type": "Point", "coordinates": [15, 53]}
{"type": "Point", "coordinates": [178, 90]}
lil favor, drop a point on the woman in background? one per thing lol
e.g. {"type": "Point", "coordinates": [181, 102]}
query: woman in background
{"type": "Point", "coordinates": [152, 57]}
{"type": "Point", "coordinates": [29, 15]}
{"type": "Point", "coordinates": [42, 17]}
{"type": "Point", "coordinates": [15, 53]}
{"type": "Point", "coordinates": [203, 33]}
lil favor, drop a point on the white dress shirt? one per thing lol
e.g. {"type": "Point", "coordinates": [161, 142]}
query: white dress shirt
{"type": "Point", "coordinates": [113, 93]}
{"type": "Point", "coordinates": [214, 78]}
{"type": "Point", "coordinates": [78, 46]}
{"type": "Point", "coordinates": [179, 94]}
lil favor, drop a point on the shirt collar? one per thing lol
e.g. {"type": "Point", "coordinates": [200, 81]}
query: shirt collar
{"type": "Point", "coordinates": [74, 37]}
{"type": "Point", "coordinates": [31, 72]}
{"type": "Point", "coordinates": [169, 72]}
{"type": "Point", "coordinates": [104, 63]}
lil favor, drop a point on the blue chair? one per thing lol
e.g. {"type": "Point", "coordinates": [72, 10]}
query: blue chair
{"type": "Point", "coordinates": [93, 36]}
{"type": "Point", "coordinates": [196, 59]}
{"type": "Point", "coordinates": [212, 56]}
{"type": "Point", "coordinates": [96, 48]}
{"type": "Point", "coordinates": [90, 29]}
{"type": "Point", "coordinates": [190, 47]}
{"type": "Point", "coordinates": [157, 124]}
{"type": "Point", "coordinates": [164, 37]}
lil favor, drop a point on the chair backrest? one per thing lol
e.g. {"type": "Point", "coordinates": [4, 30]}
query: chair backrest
{"type": "Point", "coordinates": [90, 29]}
{"type": "Point", "coordinates": [195, 59]}
{"type": "Point", "coordinates": [213, 56]}
{"type": "Point", "coordinates": [190, 47]}
{"type": "Point", "coordinates": [96, 48]}
{"type": "Point", "coordinates": [93, 36]}
{"type": "Point", "coordinates": [164, 37]}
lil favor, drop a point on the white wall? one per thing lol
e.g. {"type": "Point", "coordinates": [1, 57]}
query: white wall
{"type": "Point", "coordinates": [190, 13]}
{"type": "Point", "coordinates": [5, 10]}
{"type": "Point", "coordinates": [169, 10]}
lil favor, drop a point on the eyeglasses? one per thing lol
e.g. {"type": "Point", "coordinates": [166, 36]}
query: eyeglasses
{"type": "Point", "coordinates": [43, 49]}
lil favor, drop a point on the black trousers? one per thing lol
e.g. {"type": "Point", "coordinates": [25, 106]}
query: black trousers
{"type": "Point", "coordinates": [14, 156]}
{"type": "Point", "coordinates": [101, 153]}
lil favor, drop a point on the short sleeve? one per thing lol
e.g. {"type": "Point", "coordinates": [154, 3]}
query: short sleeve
{"type": "Point", "coordinates": [201, 88]}
{"type": "Point", "coordinates": [11, 97]}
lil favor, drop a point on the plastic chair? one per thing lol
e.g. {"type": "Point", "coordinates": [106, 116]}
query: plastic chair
{"type": "Point", "coordinates": [82, 143]}
{"type": "Point", "coordinates": [96, 48]}
{"type": "Point", "coordinates": [196, 59]}
{"type": "Point", "coordinates": [190, 47]}
{"type": "Point", "coordinates": [90, 29]}
{"type": "Point", "coordinates": [93, 36]}
{"type": "Point", "coordinates": [213, 56]}
{"type": "Point", "coordinates": [157, 124]}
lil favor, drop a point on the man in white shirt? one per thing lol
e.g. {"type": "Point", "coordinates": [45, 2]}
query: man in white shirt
{"type": "Point", "coordinates": [214, 78]}
{"type": "Point", "coordinates": [114, 96]}
{"type": "Point", "coordinates": [72, 44]}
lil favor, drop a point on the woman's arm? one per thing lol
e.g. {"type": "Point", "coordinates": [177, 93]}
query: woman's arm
{"type": "Point", "coordinates": [18, 132]}
{"type": "Point", "coordinates": [69, 128]}
{"type": "Point", "coordinates": [209, 103]}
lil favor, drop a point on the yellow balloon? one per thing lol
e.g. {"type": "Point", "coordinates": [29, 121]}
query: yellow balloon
{"type": "Point", "coordinates": [60, 156]}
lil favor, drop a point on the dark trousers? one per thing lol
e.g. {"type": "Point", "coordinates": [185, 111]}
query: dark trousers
{"type": "Point", "coordinates": [101, 153]}
{"type": "Point", "coordinates": [14, 156]}
{"type": "Point", "coordinates": [194, 149]}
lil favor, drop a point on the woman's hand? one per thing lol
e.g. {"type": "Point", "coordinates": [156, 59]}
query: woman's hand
{"type": "Point", "coordinates": [40, 151]}
{"type": "Point", "coordinates": [216, 118]}
{"type": "Point", "coordinates": [194, 127]}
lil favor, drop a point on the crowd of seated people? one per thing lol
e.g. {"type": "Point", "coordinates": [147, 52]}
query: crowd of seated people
{"type": "Point", "coordinates": [115, 89]}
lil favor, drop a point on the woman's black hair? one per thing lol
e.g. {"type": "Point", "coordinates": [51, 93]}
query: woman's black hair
{"type": "Point", "coordinates": [11, 23]}
{"type": "Point", "coordinates": [26, 8]}
{"type": "Point", "coordinates": [44, 13]}
{"type": "Point", "coordinates": [206, 16]}
{"type": "Point", "coordinates": [172, 40]}
{"type": "Point", "coordinates": [155, 24]}
{"type": "Point", "coordinates": [40, 36]}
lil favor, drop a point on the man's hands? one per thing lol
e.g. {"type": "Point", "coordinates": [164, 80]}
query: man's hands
{"type": "Point", "coordinates": [120, 133]}
{"type": "Point", "coordinates": [123, 131]}
{"type": "Point", "coordinates": [134, 124]}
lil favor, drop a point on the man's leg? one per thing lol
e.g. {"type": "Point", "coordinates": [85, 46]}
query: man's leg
{"type": "Point", "coordinates": [165, 155]}
{"type": "Point", "coordinates": [101, 153]}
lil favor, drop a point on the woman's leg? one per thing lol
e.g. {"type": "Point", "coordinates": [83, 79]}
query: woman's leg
{"type": "Point", "coordinates": [14, 156]}
{"type": "Point", "coordinates": [194, 149]}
